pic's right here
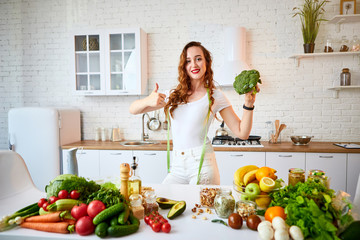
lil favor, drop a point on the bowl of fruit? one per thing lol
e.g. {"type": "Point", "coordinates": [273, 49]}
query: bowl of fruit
{"type": "Point", "coordinates": [252, 183]}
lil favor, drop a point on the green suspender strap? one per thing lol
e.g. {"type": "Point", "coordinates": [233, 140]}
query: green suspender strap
{"type": "Point", "coordinates": [204, 144]}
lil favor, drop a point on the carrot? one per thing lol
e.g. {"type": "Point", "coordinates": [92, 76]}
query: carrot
{"type": "Point", "coordinates": [54, 227]}
{"type": "Point", "coordinates": [51, 217]}
{"type": "Point", "coordinates": [69, 221]}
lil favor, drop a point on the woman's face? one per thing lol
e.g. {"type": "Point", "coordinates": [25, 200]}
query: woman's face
{"type": "Point", "coordinates": [195, 63]}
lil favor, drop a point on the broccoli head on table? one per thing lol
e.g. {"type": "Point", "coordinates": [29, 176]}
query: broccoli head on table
{"type": "Point", "coordinates": [246, 81]}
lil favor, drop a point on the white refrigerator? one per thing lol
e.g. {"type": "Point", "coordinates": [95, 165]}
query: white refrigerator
{"type": "Point", "coordinates": [37, 134]}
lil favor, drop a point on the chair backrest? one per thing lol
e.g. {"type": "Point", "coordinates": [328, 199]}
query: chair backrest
{"type": "Point", "coordinates": [14, 175]}
{"type": "Point", "coordinates": [357, 194]}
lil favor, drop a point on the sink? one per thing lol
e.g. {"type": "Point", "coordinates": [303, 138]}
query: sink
{"type": "Point", "coordinates": [138, 143]}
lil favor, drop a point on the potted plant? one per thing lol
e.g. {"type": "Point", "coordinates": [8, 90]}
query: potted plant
{"type": "Point", "coordinates": [311, 15]}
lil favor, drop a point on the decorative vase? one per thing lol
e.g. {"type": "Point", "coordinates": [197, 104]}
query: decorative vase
{"type": "Point", "coordinates": [309, 47]}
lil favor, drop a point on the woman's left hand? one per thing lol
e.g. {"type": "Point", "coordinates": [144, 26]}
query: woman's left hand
{"type": "Point", "coordinates": [250, 97]}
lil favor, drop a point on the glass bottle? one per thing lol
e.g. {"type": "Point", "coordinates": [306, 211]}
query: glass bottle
{"type": "Point", "coordinates": [150, 203]}
{"type": "Point", "coordinates": [345, 77]}
{"type": "Point", "coordinates": [224, 203]}
{"type": "Point", "coordinates": [136, 205]}
{"type": "Point", "coordinates": [328, 45]}
{"type": "Point", "coordinates": [296, 175]}
{"type": "Point", "coordinates": [134, 184]}
{"type": "Point", "coordinates": [344, 45]}
{"type": "Point", "coordinates": [355, 44]}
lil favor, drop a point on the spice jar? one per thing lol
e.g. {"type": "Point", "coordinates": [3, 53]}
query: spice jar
{"type": "Point", "coordinates": [345, 77]}
{"type": "Point", "coordinates": [150, 203]}
{"type": "Point", "coordinates": [318, 176]}
{"type": "Point", "coordinates": [344, 44]}
{"type": "Point", "coordinates": [328, 47]}
{"type": "Point", "coordinates": [136, 205]}
{"type": "Point", "coordinates": [224, 203]}
{"type": "Point", "coordinates": [296, 175]}
{"type": "Point", "coordinates": [355, 44]}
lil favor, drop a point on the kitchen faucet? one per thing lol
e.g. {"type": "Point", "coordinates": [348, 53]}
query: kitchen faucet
{"type": "Point", "coordinates": [144, 136]}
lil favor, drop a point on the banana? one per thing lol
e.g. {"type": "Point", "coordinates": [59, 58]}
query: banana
{"type": "Point", "coordinates": [250, 176]}
{"type": "Point", "coordinates": [240, 173]}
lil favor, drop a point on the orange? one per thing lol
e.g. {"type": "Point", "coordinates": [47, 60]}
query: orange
{"type": "Point", "coordinates": [275, 211]}
{"type": "Point", "coordinates": [265, 172]}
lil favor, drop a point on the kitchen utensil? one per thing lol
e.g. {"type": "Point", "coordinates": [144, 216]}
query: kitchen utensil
{"type": "Point", "coordinates": [115, 135]}
{"type": "Point", "coordinates": [301, 140]}
{"type": "Point", "coordinates": [277, 125]}
{"type": "Point", "coordinates": [154, 123]}
{"type": "Point", "coordinates": [282, 127]}
{"type": "Point", "coordinates": [221, 131]}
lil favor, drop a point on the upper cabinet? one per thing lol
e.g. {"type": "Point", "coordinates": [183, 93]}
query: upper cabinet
{"type": "Point", "coordinates": [110, 62]}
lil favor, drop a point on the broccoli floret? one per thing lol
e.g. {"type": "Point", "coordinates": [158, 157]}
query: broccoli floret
{"type": "Point", "coordinates": [246, 81]}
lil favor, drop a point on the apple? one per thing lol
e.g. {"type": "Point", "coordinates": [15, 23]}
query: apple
{"type": "Point", "coordinates": [252, 190]}
{"type": "Point", "coordinates": [245, 197]}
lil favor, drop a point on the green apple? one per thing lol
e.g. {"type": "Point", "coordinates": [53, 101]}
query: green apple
{"type": "Point", "coordinates": [252, 190]}
{"type": "Point", "coordinates": [245, 197]}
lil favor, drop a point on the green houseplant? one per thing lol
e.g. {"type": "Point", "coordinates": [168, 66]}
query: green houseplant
{"type": "Point", "coordinates": [311, 15]}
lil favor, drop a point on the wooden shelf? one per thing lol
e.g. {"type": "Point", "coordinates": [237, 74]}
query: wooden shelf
{"type": "Point", "coordinates": [338, 19]}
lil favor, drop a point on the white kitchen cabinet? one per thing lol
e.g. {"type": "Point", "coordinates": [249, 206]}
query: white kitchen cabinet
{"type": "Point", "coordinates": [110, 62]}
{"type": "Point", "coordinates": [88, 163]}
{"type": "Point", "coordinates": [283, 161]}
{"type": "Point", "coordinates": [110, 161]}
{"type": "Point", "coordinates": [353, 171]}
{"type": "Point", "coordinates": [152, 166]}
{"type": "Point", "coordinates": [229, 162]}
{"type": "Point", "coordinates": [333, 164]}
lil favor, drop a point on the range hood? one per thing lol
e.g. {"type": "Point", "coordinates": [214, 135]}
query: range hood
{"type": "Point", "coordinates": [234, 56]}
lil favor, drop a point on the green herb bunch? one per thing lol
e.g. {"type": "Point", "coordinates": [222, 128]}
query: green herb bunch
{"type": "Point", "coordinates": [108, 194]}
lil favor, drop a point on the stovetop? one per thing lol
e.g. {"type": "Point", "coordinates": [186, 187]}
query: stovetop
{"type": "Point", "coordinates": [228, 141]}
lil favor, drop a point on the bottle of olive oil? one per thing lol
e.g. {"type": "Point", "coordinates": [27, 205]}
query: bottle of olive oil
{"type": "Point", "coordinates": [134, 184]}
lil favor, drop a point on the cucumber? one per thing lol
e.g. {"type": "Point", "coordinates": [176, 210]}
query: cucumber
{"type": "Point", "coordinates": [114, 220]}
{"type": "Point", "coordinates": [101, 229]}
{"type": "Point", "coordinates": [108, 213]}
{"type": "Point", "coordinates": [124, 215]}
{"type": "Point", "coordinates": [177, 210]}
{"type": "Point", "coordinates": [165, 203]}
{"type": "Point", "coordinates": [352, 232]}
{"type": "Point", "coordinates": [123, 230]}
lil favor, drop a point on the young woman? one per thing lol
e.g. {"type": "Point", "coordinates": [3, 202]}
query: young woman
{"type": "Point", "coordinates": [191, 107]}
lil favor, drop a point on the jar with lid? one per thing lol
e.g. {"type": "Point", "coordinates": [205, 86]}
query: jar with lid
{"type": "Point", "coordinates": [224, 203]}
{"type": "Point", "coordinates": [344, 44]}
{"type": "Point", "coordinates": [319, 176]}
{"type": "Point", "coordinates": [355, 44]}
{"type": "Point", "coordinates": [345, 77]}
{"type": "Point", "coordinates": [150, 203]}
{"type": "Point", "coordinates": [328, 45]}
{"type": "Point", "coordinates": [136, 205]}
{"type": "Point", "coordinates": [296, 175]}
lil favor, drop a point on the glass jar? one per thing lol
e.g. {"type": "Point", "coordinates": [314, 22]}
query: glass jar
{"type": "Point", "coordinates": [328, 45]}
{"type": "Point", "coordinates": [355, 44]}
{"type": "Point", "coordinates": [207, 196]}
{"type": "Point", "coordinates": [345, 77]}
{"type": "Point", "coordinates": [344, 45]}
{"type": "Point", "coordinates": [318, 176]}
{"type": "Point", "coordinates": [136, 205]}
{"type": "Point", "coordinates": [150, 203]}
{"type": "Point", "coordinates": [224, 203]}
{"type": "Point", "coordinates": [296, 175]}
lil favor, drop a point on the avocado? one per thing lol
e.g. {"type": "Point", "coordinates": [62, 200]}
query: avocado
{"type": "Point", "coordinates": [177, 210]}
{"type": "Point", "coordinates": [165, 203]}
{"type": "Point", "coordinates": [352, 232]}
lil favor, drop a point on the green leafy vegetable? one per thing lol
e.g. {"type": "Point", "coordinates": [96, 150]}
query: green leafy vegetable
{"type": "Point", "coordinates": [246, 81]}
{"type": "Point", "coordinates": [109, 194]}
{"type": "Point", "coordinates": [219, 221]}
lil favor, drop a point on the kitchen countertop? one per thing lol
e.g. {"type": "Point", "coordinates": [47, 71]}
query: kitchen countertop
{"type": "Point", "coordinates": [182, 227]}
{"type": "Point", "coordinates": [314, 147]}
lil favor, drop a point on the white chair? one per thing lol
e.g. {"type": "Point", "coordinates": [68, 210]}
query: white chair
{"type": "Point", "coordinates": [357, 194]}
{"type": "Point", "coordinates": [17, 189]}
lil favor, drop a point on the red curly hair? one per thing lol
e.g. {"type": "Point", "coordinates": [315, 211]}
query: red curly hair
{"type": "Point", "coordinates": [181, 93]}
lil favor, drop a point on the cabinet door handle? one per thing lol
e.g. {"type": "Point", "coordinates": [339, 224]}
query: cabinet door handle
{"type": "Point", "coordinates": [237, 155]}
{"type": "Point", "coordinates": [326, 156]}
{"type": "Point", "coordinates": [81, 153]}
{"type": "Point", "coordinates": [285, 155]}
{"type": "Point", "coordinates": [116, 153]}
{"type": "Point", "coordinates": [150, 154]}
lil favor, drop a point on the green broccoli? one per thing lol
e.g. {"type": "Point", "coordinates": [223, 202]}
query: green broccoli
{"type": "Point", "coordinates": [246, 81]}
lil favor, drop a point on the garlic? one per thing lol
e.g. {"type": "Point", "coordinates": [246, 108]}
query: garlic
{"type": "Point", "coordinates": [296, 233]}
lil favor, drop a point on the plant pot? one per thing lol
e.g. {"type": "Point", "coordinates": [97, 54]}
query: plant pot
{"type": "Point", "coordinates": [309, 47]}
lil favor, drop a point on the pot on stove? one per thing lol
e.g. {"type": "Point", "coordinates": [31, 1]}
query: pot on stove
{"type": "Point", "coordinates": [221, 131]}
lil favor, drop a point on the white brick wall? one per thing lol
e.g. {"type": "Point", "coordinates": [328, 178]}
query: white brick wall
{"type": "Point", "coordinates": [35, 47]}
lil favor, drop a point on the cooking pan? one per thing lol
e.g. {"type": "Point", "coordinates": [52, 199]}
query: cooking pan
{"type": "Point", "coordinates": [154, 123]}
{"type": "Point", "coordinates": [253, 138]}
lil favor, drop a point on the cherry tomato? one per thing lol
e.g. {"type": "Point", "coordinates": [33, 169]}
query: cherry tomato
{"type": "Point", "coordinates": [95, 207]}
{"type": "Point", "coordinates": [151, 221]}
{"type": "Point", "coordinates": [41, 202]}
{"type": "Point", "coordinates": [74, 194]}
{"type": "Point", "coordinates": [156, 226]}
{"type": "Point", "coordinates": [163, 221]}
{"type": "Point", "coordinates": [53, 199]}
{"type": "Point", "coordinates": [166, 227]}
{"type": "Point", "coordinates": [44, 206]}
{"type": "Point", "coordinates": [63, 194]}
{"type": "Point", "coordinates": [146, 219]}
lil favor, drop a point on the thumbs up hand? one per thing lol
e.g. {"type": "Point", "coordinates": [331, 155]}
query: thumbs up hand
{"type": "Point", "coordinates": [156, 99]}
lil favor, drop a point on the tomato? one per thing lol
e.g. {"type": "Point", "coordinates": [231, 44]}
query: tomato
{"type": "Point", "coordinates": [41, 202]}
{"type": "Point", "coordinates": [84, 226]}
{"type": "Point", "coordinates": [163, 221]}
{"type": "Point", "coordinates": [53, 199]}
{"type": "Point", "coordinates": [79, 211]}
{"type": "Point", "coordinates": [235, 221]}
{"type": "Point", "coordinates": [151, 221]}
{"type": "Point", "coordinates": [74, 194]}
{"type": "Point", "coordinates": [166, 227]}
{"type": "Point", "coordinates": [156, 226]}
{"type": "Point", "coordinates": [63, 194]}
{"type": "Point", "coordinates": [95, 207]}
{"type": "Point", "coordinates": [275, 211]}
{"type": "Point", "coordinates": [146, 219]}
{"type": "Point", "coordinates": [44, 206]}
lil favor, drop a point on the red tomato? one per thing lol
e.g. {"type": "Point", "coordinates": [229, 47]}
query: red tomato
{"type": "Point", "coordinates": [53, 199]}
{"type": "Point", "coordinates": [44, 206]}
{"type": "Point", "coordinates": [163, 220]}
{"type": "Point", "coordinates": [151, 221]}
{"type": "Point", "coordinates": [74, 194]}
{"type": "Point", "coordinates": [95, 207]}
{"type": "Point", "coordinates": [79, 211]}
{"type": "Point", "coordinates": [156, 226]}
{"type": "Point", "coordinates": [166, 227]}
{"type": "Point", "coordinates": [41, 202]}
{"type": "Point", "coordinates": [146, 219]}
{"type": "Point", "coordinates": [63, 194]}
{"type": "Point", "coordinates": [84, 226]}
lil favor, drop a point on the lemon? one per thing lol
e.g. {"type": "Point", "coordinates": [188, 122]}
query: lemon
{"type": "Point", "coordinates": [267, 184]}
{"type": "Point", "coordinates": [263, 200]}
